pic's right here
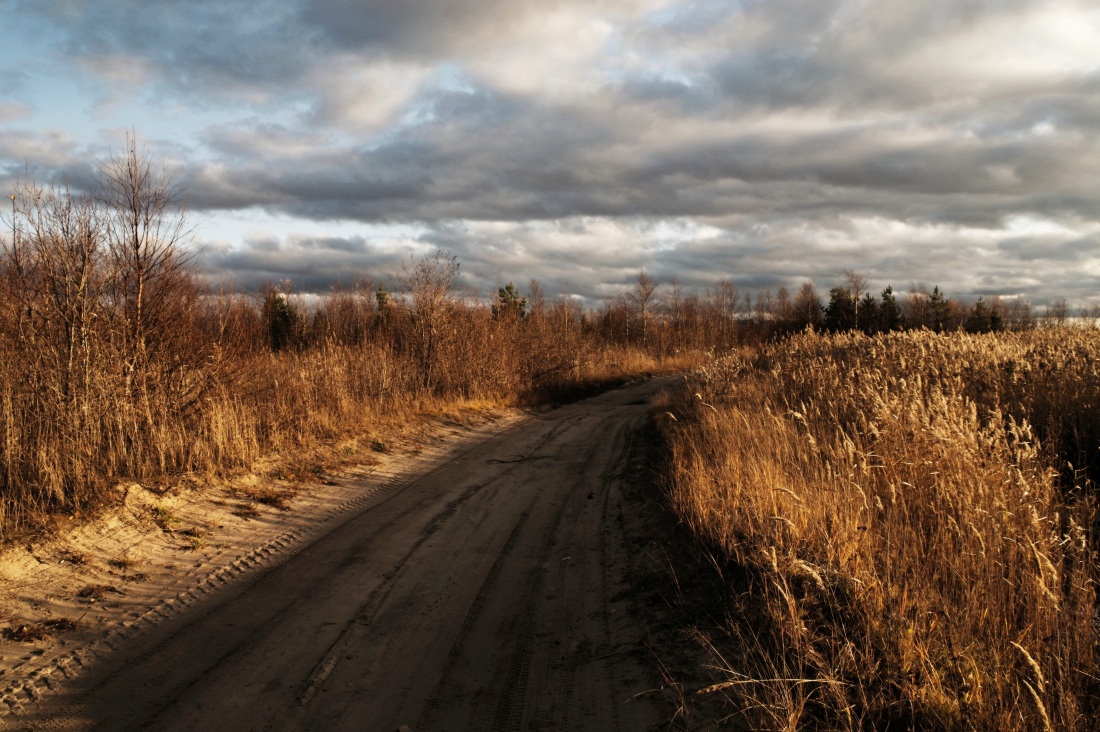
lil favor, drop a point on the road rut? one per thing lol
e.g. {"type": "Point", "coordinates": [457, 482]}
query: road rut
{"type": "Point", "coordinates": [485, 594]}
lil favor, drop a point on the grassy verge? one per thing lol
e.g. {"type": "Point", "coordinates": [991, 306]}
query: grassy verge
{"type": "Point", "coordinates": [906, 525]}
{"type": "Point", "coordinates": [65, 451]}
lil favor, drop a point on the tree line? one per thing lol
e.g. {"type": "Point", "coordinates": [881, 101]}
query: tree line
{"type": "Point", "coordinates": [119, 365]}
{"type": "Point", "coordinates": [659, 318]}
{"type": "Point", "coordinates": [665, 316]}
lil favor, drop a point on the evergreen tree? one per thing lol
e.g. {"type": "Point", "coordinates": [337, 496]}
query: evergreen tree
{"type": "Point", "coordinates": [980, 319]}
{"type": "Point", "coordinates": [509, 303]}
{"type": "Point", "coordinates": [280, 317]}
{"type": "Point", "coordinates": [941, 310]}
{"type": "Point", "coordinates": [840, 314]}
{"type": "Point", "coordinates": [867, 314]}
{"type": "Point", "coordinates": [983, 318]}
{"type": "Point", "coordinates": [890, 317]}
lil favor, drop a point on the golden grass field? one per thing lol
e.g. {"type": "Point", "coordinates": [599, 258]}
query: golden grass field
{"type": "Point", "coordinates": [906, 524]}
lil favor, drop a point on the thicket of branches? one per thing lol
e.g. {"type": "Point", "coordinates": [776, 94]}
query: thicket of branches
{"type": "Point", "coordinates": [101, 336]}
{"type": "Point", "coordinates": [118, 366]}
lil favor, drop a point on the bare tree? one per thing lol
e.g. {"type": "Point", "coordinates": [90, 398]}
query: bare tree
{"type": "Point", "coordinates": [642, 300]}
{"type": "Point", "coordinates": [1017, 314]}
{"type": "Point", "coordinates": [728, 299]}
{"type": "Point", "coordinates": [428, 281]}
{"type": "Point", "coordinates": [858, 287]}
{"type": "Point", "coordinates": [146, 228]}
{"type": "Point", "coordinates": [857, 284]}
{"type": "Point", "coordinates": [806, 310]}
{"type": "Point", "coordinates": [1056, 313]}
{"type": "Point", "coordinates": [784, 308]}
{"type": "Point", "coordinates": [672, 310]}
{"type": "Point", "coordinates": [771, 313]}
{"type": "Point", "coordinates": [918, 306]}
{"type": "Point", "coordinates": [536, 300]}
{"type": "Point", "coordinates": [1090, 315]}
{"type": "Point", "coordinates": [346, 315]}
{"type": "Point", "coordinates": [56, 279]}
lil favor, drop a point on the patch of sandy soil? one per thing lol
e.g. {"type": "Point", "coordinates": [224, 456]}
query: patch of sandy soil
{"type": "Point", "coordinates": [78, 596]}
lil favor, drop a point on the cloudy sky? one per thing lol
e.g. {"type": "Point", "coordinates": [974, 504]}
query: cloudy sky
{"type": "Point", "coordinates": [953, 142]}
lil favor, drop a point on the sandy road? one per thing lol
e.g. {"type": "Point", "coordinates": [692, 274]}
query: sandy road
{"type": "Point", "coordinates": [486, 594]}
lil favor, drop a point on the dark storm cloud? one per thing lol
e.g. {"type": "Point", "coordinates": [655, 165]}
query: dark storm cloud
{"type": "Point", "coordinates": [490, 156]}
{"type": "Point", "coordinates": [1029, 249]}
{"type": "Point", "coordinates": [412, 27]}
{"type": "Point", "coordinates": [311, 264]}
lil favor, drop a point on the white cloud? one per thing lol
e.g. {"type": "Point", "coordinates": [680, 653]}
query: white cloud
{"type": "Point", "coordinates": [363, 95]}
{"type": "Point", "coordinates": [1044, 44]}
{"type": "Point", "coordinates": [556, 55]}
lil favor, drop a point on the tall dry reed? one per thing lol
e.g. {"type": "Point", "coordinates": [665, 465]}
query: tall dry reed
{"type": "Point", "coordinates": [903, 550]}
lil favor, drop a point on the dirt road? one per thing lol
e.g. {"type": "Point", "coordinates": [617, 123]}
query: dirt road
{"type": "Point", "coordinates": [490, 593]}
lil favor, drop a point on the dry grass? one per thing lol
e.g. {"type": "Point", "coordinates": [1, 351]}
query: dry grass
{"type": "Point", "coordinates": [906, 552]}
{"type": "Point", "coordinates": [297, 410]}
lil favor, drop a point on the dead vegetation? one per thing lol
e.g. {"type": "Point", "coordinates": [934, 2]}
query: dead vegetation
{"type": "Point", "coordinates": [907, 524]}
{"type": "Point", "coordinates": [118, 366]}
{"type": "Point", "coordinates": [907, 521]}
{"type": "Point", "coordinates": [32, 632]}
{"type": "Point", "coordinates": [265, 494]}
{"type": "Point", "coordinates": [95, 593]}
{"type": "Point", "coordinates": [76, 559]}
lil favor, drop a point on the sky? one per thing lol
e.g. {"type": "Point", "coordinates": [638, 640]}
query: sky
{"type": "Point", "coordinates": [948, 142]}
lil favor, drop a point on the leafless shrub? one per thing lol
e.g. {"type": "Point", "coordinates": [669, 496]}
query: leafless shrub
{"type": "Point", "coordinates": [431, 308]}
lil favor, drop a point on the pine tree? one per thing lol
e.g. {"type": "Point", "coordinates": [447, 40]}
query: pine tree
{"type": "Point", "coordinates": [890, 317]}
{"type": "Point", "coordinates": [941, 310]}
{"type": "Point", "coordinates": [867, 314]}
{"type": "Point", "coordinates": [509, 303]}
{"type": "Point", "coordinates": [840, 313]}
